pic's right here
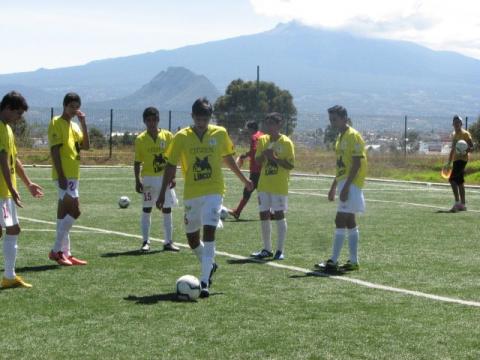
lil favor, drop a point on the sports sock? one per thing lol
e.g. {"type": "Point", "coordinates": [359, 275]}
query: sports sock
{"type": "Point", "coordinates": [337, 243]}
{"type": "Point", "coordinates": [198, 251]}
{"type": "Point", "coordinates": [353, 237]}
{"type": "Point", "coordinates": [168, 228]}
{"type": "Point", "coordinates": [57, 246]}
{"type": "Point", "coordinates": [66, 245]}
{"type": "Point", "coordinates": [282, 233]}
{"type": "Point", "coordinates": [207, 260]}
{"type": "Point", "coordinates": [65, 226]}
{"type": "Point", "coordinates": [145, 223]}
{"type": "Point", "coordinates": [9, 255]}
{"type": "Point", "coordinates": [266, 234]}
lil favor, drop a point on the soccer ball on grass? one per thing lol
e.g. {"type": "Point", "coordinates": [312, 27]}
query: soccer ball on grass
{"type": "Point", "coordinates": [123, 202]}
{"type": "Point", "coordinates": [187, 288]}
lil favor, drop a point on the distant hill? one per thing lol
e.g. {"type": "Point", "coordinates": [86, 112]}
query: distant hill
{"type": "Point", "coordinates": [319, 67]}
{"type": "Point", "coordinates": [173, 89]}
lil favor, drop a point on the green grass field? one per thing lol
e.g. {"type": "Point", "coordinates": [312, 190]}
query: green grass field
{"type": "Point", "coordinates": [122, 304]}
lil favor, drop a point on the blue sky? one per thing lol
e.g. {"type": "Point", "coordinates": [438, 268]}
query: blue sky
{"type": "Point", "coordinates": [56, 33]}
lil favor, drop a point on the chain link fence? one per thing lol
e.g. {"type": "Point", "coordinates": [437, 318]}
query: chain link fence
{"type": "Point", "coordinates": [114, 130]}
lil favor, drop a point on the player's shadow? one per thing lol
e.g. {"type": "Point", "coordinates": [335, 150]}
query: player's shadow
{"type": "Point", "coordinates": [322, 274]}
{"type": "Point", "coordinates": [153, 299]}
{"type": "Point", "coordinates": [37, 268]}
{"type": "Point", "coordinates": [240, 220]}
{"type": "Point", "coordinates": [130, 253]}
{"type": "Point", "coordinates": [246, 261]}
{"type": "Point", "coordinates": [445, 211]}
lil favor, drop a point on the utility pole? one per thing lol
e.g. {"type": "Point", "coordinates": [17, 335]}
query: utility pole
{"type": "Point", "coordinates": [257, 94]}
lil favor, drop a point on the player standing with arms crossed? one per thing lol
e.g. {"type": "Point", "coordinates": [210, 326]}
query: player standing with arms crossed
{"type": "Point", "coordinates": [150, 148]}
{"type": "Point", "coordinates": [276, 156]}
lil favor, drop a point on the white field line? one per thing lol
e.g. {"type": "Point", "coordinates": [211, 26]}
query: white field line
{"type": "Point", "coordinates": [288, 267]}
{"type": "Point", "coordinates": [384, 201]}
{"type": "Point", "coordinates": [53, 230]}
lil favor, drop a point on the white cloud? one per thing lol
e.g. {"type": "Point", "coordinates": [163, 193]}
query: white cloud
{"type": "Point", "coordinates": [441, 25]}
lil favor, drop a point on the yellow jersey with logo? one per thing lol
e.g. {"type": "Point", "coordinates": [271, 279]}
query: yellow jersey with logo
{"type": "Point", "coordinates": [462, 135]}
{"type": "Point", "coordinates": [201, 159]}
{"type": "Point", "coordinates": [151, 152]}
{"type": "Point", "coordinates": [7, 145]}
{"type": "Point", "coordinates": [274, 178]}
{"type": "Point", "coordinates": [350, 144]}
{"type": "Point", "coordinates": [69, 136]}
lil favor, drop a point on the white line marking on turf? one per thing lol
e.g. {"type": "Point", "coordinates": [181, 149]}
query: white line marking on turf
{"type": "Point", "coordinates": [288, 267]}
{"type": "Point", "coordinates": [384, 201]}
{"type": "Point", "coordinates": [53, 230]}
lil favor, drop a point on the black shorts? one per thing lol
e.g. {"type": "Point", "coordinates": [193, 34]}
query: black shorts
{"type": "Point", "coordinates": [458, 172]}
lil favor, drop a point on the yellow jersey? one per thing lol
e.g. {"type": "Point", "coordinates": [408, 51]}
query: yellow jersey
{"type": "Point", "coordinates": [7, 144]}
{"type": "Point", "coordinates": [462, 135]}
{"type": "Point", "coordinates": [69, 136]}
{"type": "Point", "coordinates": [201, 159]}
{"type": "Point", "coordinates": [151, 152]}
{"type": "Point", "coordinates": [350, 144]}
{"type": "Point", "coordinates": [274, 178]}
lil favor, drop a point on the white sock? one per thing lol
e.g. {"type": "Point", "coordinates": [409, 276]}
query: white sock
{"type": "Point", "coordinates": [9, 255]}
{"type": "Point", "coordinates": [198, 251]}
{"type": "Point", "coordinates": [145, 222]}
{"type": "Point", "coordinates": [266, 234]}
{"type": "Point", "coordinates": [65, 226]}
{"type": "Point", "coordinates": [57, 246]}
{"type": "Point", "coordinates": [282, 234]}
{"type": "Point", "coordinates": [66, 245]}
{"type": "Point", "coordinates": [353, 237]}
{"type": "Point", "coordinates": [207, 260]}
{"type": "Point", "coordinates": [337, 243]}
{"type": "Point", "coordinates": [168, 228]}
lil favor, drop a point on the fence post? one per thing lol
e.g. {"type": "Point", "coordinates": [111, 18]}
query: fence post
{"type": "Point", "coordinates": [169, 120]}
{"type": "Point", "coordinates": [51, 113]}
{"type": "Point", "coordinates": [466, 122]}
{"type": "Point", "coordinates": [405, 137]}
{"type": "Point", "coordinates": [111, 133]}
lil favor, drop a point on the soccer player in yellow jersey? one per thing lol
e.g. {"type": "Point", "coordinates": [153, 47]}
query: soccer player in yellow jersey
{"type": "Point", "coordinates": [66, 139]}
{"type": "Point", "coordinates": [201, 149]}
{"type": "Point", "coordinates": [150, 148]}
{"type": "Point", "coordinates": [457, 180]}
{"type": "Point", "coordinates": [276, 155]}
{"type": "Point", "coordinates": [12, 107]}
{"type": "Point", "coordinates": [348, 183]}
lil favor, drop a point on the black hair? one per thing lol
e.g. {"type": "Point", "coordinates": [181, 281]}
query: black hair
{"type": "Point", "coordinates": [275, 116]}
{"type": "Point", "coordinates": [457, 118]}
{"type": "Point", "coordinates": [71, 97]}
{"type": "Point", "coordinates": [338, 110]}
{"type": "Point", "coordinates": [202, 107]}
{"type": "Point", "coordinates": [14, 100]}
{"type": "Point", "coordinates": [252, 125]}
{"type": "Point", "coordinates": [151, 111]}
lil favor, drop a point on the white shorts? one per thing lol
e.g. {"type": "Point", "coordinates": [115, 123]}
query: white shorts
{"type": "Point", "coordinates": [203, 210]}
{"type": "Point", "coordinates": [268, 201]}
{"type": "Point", "coordinates": [355, 202]}
{"type": "Point", "coordinates": [72, 189]}
{"type": "Point", "coordinates": [8, 213]}
{"type": "Point", "coordinates": [151, 190]}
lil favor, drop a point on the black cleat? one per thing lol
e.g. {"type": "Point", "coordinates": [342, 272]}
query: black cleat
{"type": "Point", "coordinates": [204, 293]}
